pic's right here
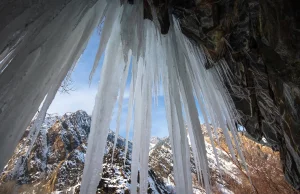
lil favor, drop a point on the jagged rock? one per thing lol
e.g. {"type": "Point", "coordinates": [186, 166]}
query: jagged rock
{"type": "Point", "coordinates": [38, 173]}
{"type": "Point", "coordinates": [57, 158]}
{"type": "Point", "coordinates": [161, 162]}
{"type": "Point", "coordinates": [58, 166]}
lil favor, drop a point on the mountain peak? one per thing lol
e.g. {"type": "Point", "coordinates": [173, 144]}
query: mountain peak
{"type": "Point", "coordinates": [58, 155]}
{"type": "Point", "coordinates": [154, 141]}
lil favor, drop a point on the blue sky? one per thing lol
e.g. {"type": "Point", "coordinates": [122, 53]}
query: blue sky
{"type": "Point", "coordinates": [83, 97]}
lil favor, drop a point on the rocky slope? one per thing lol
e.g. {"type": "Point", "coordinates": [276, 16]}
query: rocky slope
{"type": "Point", "coordinates": [161, 162]}
{"type": "Point", "coordinates": [55, 164]}
{"type": "Point", "coordinates": [56, 161]}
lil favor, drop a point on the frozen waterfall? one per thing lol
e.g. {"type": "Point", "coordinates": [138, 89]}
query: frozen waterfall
{"type": "Point", "coordinates": [35, 60]}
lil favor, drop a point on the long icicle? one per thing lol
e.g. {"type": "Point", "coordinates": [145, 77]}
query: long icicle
{"type": "Point", "coordinates": [138, 124]}
{"type": "Point", "coordinates": [111, 10]}
{"type": "Point", "coordinates": [36, 66]}
{"type": "Point", "coordinates": [176, 128]}
{"type": "Point", "coordinates": [129, 117]}
{"type": "Point", "coordinates": [120, 104]}
{"type": "Point", "coordinates": [105, 100]}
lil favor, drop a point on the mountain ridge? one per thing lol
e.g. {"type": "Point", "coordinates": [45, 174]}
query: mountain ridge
{"type": "Point", "coordinates": [56, 160]}
{"type": "Point", "coordinates": [58, 156]}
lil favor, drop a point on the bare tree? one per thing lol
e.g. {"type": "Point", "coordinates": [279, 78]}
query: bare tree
{"type": "Point", "coordinates": [67, 84]}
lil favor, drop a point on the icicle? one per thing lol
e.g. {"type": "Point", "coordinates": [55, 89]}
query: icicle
{"type": "Point", "coordinates": [229, 118]}
{"type": "Point", "coordinates": [147, 100]}
{"type": "Point", "coordinates": [120, 103]}
{"type": "Point", "coordinates": [138, 125]}
{"type": "Point", "coordinates": [145, 140]}
{"type": "Point", "coordinates": [36, 66]}
{"type": "Point", "coordinates": [129, 116]}
{"type": "Point", "coordinates": [104, 103]}
{"type": "Point", "coordinates": [40, 118]}
{"type": "Point", "coordinates": [176, 128]}
{"type": "Point", "coordinates": [189, 104]}
{"type": "Point", "coordinates": [194, 73]}
{"type": "Point", "coordinates": [131, 100]}
{"type": "Point", "coordinates": [110, 18]}
{"type": "Point", "coordinates": [128, 35]}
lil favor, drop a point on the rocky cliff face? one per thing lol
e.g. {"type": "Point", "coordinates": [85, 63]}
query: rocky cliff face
{"type": "Point", "coordinates": [161, 163]}
{"type": "Point", "coordinates": [260, 41]}
{"type": "Point", "coordinates": [56, 161]}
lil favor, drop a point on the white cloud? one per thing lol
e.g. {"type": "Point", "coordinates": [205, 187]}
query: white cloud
{"type": "Point", "coordinates": [80, 99]}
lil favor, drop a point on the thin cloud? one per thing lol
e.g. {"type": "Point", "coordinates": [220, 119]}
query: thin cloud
{"type": "Point", "coordinates": [81, 99]}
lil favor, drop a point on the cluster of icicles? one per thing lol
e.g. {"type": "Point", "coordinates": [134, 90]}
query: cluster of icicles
{"type": "Point", "coordinates": [173, 61]}
{"type": "Point", "coordinates": [170, 61]}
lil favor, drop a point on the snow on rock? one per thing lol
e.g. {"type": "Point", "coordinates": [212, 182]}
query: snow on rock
{"type": "Point", "coordinates": [57, 158]}
{"type": "Point", "coordinates": [154, 141]}
{"type": "Point", "coordinates": [161, 162]}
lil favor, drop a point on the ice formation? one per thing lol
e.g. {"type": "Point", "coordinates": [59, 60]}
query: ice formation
{"type": "Point", "coordinates": [126, 39]}
{"type": "Point", "coordinates": [173, 61]}
{"type": "Point", "coordinates": [36, 58]}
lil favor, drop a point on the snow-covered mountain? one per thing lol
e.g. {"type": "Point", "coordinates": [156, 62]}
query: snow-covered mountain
{"type": "Point", "coordinates": [56, 160]}
{"type": "Point", "coordinates": [154, 141]}
{"type": "Point", "coordinates": [161, 162]}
